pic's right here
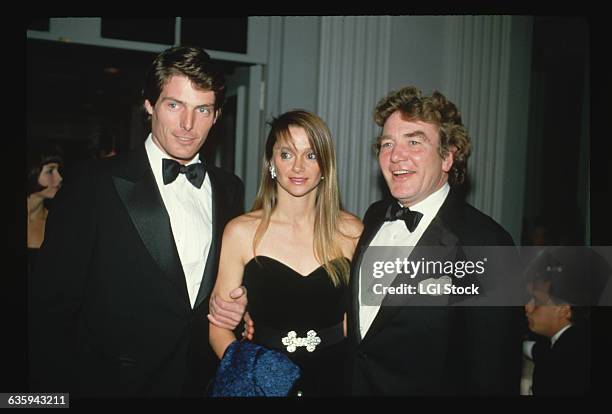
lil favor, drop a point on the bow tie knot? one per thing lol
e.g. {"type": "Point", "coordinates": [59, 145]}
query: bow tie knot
{"type": "Point", "coordinates": [410, 218]}
{"type": "Point", "coordinates": [195, 173]}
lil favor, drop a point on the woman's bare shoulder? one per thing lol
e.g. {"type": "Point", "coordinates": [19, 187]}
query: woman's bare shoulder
{"type": "Point", "coordinates": [350, 224]}
{"type": "Point", "coordinates": [244, 225]}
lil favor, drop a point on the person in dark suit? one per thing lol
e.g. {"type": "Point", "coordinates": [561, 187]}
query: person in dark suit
{"type": "Point", "coordinates": [561, 351]}
{"type": "Point", "coordinates": [563, 282]}
{"type": "Point", "coordinates": [428, 350]}
{"type": "Point", "coordinates": [131, 252]}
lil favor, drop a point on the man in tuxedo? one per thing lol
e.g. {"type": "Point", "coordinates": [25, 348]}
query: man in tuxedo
{"type": "Point", "coordinates": [119, 295]}
{"type": "Point", "coordinates": [561, 349]}
{"type": "Point", "coordinates": [563, 283]}
{"type": "Point", "coordinates": [428, 350]}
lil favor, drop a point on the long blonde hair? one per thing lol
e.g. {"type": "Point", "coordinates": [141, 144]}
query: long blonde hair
{"type": "Point", "coordinates": [327, 205]}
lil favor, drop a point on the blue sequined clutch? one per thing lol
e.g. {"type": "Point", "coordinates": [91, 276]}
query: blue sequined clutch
{"type": "Point", "coordinates": [251, 370]}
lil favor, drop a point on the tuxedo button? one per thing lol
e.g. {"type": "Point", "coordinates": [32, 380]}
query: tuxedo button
{"type": "Point", "coordinates": [363, 355]}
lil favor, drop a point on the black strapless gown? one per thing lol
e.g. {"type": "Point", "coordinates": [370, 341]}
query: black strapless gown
{"type": "Point", "coordinates": [282, 300]}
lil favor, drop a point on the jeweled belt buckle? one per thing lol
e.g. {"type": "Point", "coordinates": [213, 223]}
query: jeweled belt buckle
{"type": "Point", "coordinates": [291, 341]}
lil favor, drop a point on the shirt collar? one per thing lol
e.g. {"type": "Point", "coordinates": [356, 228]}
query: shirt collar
{"type": "Point", "coordinates": [432, 203]}
{"type": "Point", "coordinates": [556, 336]}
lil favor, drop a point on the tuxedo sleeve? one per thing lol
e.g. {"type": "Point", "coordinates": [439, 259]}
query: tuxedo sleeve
{"type": "Point", "coordinates": [494, 335]}
{"type": "Point", "coordinates": [58, 281]}
{"type": "Point", "coordinates": [493, 350]}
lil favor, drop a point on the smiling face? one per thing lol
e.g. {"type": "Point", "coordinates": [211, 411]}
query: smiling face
{"type": "Point", "coordinates": [51, 179]}
{"type": "Point", "coordinates": [409, 159]}
{"type": "Point", "coordinates": [297, 168]}
{"type": "Point", "coordinates": [181, 118]}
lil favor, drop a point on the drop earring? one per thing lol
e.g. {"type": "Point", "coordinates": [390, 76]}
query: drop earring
{"type": "Point", "coordinates": [272, 172]}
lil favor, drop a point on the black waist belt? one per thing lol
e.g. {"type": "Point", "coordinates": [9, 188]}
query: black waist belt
{"type": "Point", "coordinates": [290, 340]}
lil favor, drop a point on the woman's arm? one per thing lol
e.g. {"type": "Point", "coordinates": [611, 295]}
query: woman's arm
{"type": "Point", "coordinates": [231, 268]}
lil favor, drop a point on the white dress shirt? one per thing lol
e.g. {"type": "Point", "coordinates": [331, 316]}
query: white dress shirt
{"type": "Point", "coordinates": [190, 211]}
{"type": "Point", "coordinates": [395, 233]}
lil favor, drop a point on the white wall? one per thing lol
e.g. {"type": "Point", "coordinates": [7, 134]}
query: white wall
{"type": "Point", "coordinates": [292, 65]}
{"type": "Point", "coordinates": [300, 63]}
{"type": "Point", "coordinates": [346, 64]}
{"type": "Point", "coordinates": [417, 54]}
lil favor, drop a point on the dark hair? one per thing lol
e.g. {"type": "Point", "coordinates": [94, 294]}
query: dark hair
{"type": "Point", "coordinates": [575, 275]}
{"type": "Point", "coordinates": [39, 156]}
{"type": "Point", "coordinates": [580, 314]}
{"type": "Point", "coordinates": [191, 62]}
{"type": "Point", "coordinates": [434, 109]}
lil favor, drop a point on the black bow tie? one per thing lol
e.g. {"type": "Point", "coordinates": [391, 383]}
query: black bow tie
{"type": "Point", "coordinates": [397, 212]}
{"type": "Point", "coordinates": [195, 173]}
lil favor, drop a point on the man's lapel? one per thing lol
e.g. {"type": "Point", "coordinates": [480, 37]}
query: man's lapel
{"type": "Point", "coordinates": [372, 224]}
{"type": "Point", "coordinates": [436, 235]}
{"type": "Point", "coordinates": [208, 277]}
{"type": "Point", "coordinates": [138, 191]}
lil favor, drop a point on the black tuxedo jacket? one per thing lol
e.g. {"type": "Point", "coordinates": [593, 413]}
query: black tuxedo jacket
{"type": "Point", "coordinates": [110, 313]}
{"type": "Point", "coordinates": [564, 368]}
{"type": "Point", "coordinates": [444, 350]}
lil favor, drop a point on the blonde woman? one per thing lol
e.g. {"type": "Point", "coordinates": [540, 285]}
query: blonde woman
{"type": "Point", "coordinates": [292, 252]}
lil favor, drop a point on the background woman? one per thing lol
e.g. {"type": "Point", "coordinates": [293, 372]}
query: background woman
{"type": "Point", "coordinates": [43, 182]}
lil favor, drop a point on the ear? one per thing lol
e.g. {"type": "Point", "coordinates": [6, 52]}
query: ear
{"type": "Point", "coordinates": [565, 311]}
{"type": "Point", "coordinates": [148, 107]}
{"type": "Point", "coordinates": [447, 162]}
{"type": "Point", "coordinates": [217, 115]}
